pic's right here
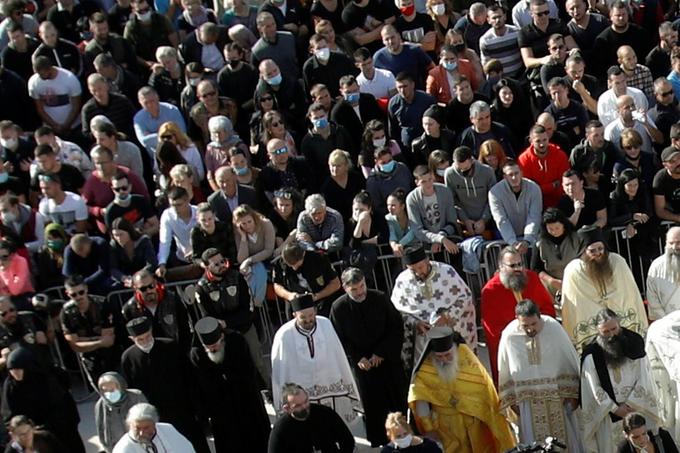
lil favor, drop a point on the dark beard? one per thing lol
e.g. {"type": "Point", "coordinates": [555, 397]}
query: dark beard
{"type": "Point", "coordinates": [514, 281]}
{"type": "Point", "coordinates": [613, 349]}
{"type": "Point", "coordinates": [600, 272]}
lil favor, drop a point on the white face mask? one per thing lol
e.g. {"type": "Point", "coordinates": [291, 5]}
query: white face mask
{"type": "Point", "coordinates": [404, 442]}
{"type": "Point", "coordinates": [9, 143]}
{"type": "Point", "coordinates": [144, 17]}
{"type": "Point", "coordinates": [113, 397]}
{"type": "Point", "coordinates": [379, 142]}
{"type": "Point", "coordinates": [323, 54]}
{"type": "Point", "coordinates": [439, 10]}
{"type": "Point", "coordinates": [194, 81]}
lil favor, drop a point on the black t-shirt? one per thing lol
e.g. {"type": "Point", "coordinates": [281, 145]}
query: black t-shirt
{"type": "Point", "coordinates": [118, 16]}
{"type": "Point", "coordinates": [568, 118]}
{"type": "Point", "coordinates": [586, 37]}
{"type": "Point", "coordinates": [537, 40]}
{"type": "Point", "coordinates": [89, 324]}
{"type": "Point", "coordinates": [415, 30]}
{"type": "Point", "coordinates": [459, 113]}
{"type": "Point", "coordinates": [594, 201]}
{"type": "Point", "coordinates": [355, 16]}
{"type": "Point", "coordinates": [71, 179]}
{"type": "Point", "coordinates": [665, 185]}
{"type": "Point", "coordinates": [136, 213]}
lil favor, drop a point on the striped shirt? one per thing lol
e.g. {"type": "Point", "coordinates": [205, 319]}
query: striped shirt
{"type": "Point", "coordinates": [504, 48]}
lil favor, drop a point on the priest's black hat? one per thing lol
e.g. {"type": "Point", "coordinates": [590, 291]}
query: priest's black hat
{"type": "Point", "coordinates": [138, 326]}
{"type": "Point", "coordinates": [414, 255]}
{"type": "Point", "coordinates": [20, 358]}
{"type": "Point", "coordinates": [208, 330]}
{"type": "Point", "coordinates": [441, 339]}
{"type": "Point", "coordinates": [591, 234]}
{"type": "Point", "coordinates": [302, 302]}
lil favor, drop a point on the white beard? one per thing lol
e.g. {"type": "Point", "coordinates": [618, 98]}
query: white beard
{"type": "Point", "coordinates": [216, 357]}
{"type": "Point", "coordinates": [447, 371]}
{"type": "Point", "coordinates": [672, 266]}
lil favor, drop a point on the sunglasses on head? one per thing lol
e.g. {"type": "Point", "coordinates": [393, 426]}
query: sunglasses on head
{"type": "Point", "coordinates": [283, 194]}
{"type": "Point", "coordinates": [145, 288]}
{"type": "Point", "coordinates": [76, 293]}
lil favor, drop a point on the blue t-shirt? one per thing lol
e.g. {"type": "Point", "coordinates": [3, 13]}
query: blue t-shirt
{"type": "Point", "coordinates": [411, 59]}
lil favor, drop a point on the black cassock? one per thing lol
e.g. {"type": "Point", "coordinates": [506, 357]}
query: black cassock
{"type": "Point", "coordinates": [366, 328]}
{"type": "Point", "coordinates": [164, 376]}
{"type": "Point", "coordinates": [230, 397]}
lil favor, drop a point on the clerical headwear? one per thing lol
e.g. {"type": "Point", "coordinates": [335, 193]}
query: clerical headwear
{"type": "Point", "coordinates": [138, 326]}
{"type": "Point", "coordinates": [591, 234]}
{"type": "Point", "coordinates": [302, 302]}
{"type": "Point", "coordinates": [20, 358]}
{"type": "Point", "coordinates": [414, 255]}
{"type": "Point", "coordinates": [441, 339]}
{"type": "Point", "coordinates": [208, 330]}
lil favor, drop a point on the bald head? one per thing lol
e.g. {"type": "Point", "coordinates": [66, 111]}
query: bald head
{"type": "Point", "coordinates": [627, 58]}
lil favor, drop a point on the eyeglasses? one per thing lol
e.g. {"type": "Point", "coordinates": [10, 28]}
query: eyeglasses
{"type": "Point", "coordinates": [278, 152]}
{"type": "Point", "coordinates": [9, 310]}
{"type": "Point", "coordinates": [77, 293]}
{"type": "Point", "coordinates": [514, 265]}
{"type": "Point", "coordinates": [167, 137]}
{"type": "Point", "coordinates": [542, 13]}
{"type": "Point", "coordinates": [209, 94]}
{"type": "Point", "coordinates": [283, 194]}
{"type": "Point", "coordinates": [666, 93]}
{"type": "Point", "coordinates": [266, 98]}
{"type": "Point", "coordinates": [145, 288]}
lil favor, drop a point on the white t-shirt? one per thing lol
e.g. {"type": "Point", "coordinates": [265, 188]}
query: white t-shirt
{"type": "Point", "coordinates": [56, 94]}
{"type": "Point", "coordinates": [383, 81]}
{"type": "Point", "coordinates": [66, 214]}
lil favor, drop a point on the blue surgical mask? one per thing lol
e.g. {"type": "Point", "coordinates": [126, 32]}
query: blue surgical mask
{"type": "Point", "coordinates": [4, 176]}
{"type": "Point", "coordinates": [388, 167]}
{"type": "Point", "coordinates": [441, 172]}
{"type": "Point", "coordinates": [274, 81]}
{"type": "Point", "coordinates": [450, 65]}
{"type": "Point", "coordinates": [114, 396]}
{"type": "Point", "coordinates": [320, 123]}
{"type": "Point", "coordinates": [240, 171]}
{"type": "Point", "coordinates": [352, 98]}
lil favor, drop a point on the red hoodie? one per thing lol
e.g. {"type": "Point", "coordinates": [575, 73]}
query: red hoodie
{"type": "Point", "coordinates": [546, 172]}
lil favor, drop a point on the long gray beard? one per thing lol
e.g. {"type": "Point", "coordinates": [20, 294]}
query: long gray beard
{"type": "Point", "coordinates": [672, 266]}
{"type": "Point", "coordinates": [513, 281]}
{"type": "Point", "coordinates": [216, 357]}
{"type": "Point", "coordinates": [613, 349]}
{"type": "Point", "coordinates": [447, 371]}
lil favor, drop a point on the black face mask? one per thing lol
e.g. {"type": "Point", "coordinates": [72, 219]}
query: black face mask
{"type": "Point", "coordinates": [301, 414]}
{"type": "Point", "coordinates": [459, 48]}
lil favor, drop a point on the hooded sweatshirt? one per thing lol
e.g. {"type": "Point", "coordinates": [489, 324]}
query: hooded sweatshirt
{"type": "Point", "coordinates": [110, 418]}
{"type": "Point", "coordinates": [545, 171]}
{"type": "Point", "coordinates": [471, 191]}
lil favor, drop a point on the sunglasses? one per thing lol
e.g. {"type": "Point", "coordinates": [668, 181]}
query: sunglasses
{"type": "Point", "coordinates": [266, 98]}
{"type": "Point", "coordinates": [283, 194]}
{"type": "Point", "coordinates": [45, 178]}
{"type": "Point", "coordinates": [209, 94]}
{"type": "Point", "coordinates": [167, 137]}
{"type": "Point", "coordinates": [145, 288]}
{"type": "Point", "coordinates": [666, 93]}
{"type": "Point", "coordinates": [9, 310]}
{"type": "Point", "coordinates": [278, 152]}
{"type": "Point", "coordinates": [76, 293]}
{"type": "Point", "coordinates": [120, 189]}
{"type": "Point", "coordinates": [542, 13]}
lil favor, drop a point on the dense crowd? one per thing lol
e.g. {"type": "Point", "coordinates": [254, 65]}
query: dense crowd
{"type": "Point", "coordinates": [271, 153]}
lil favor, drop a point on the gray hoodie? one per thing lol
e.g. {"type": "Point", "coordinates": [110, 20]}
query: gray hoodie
{"type": "Point", "coordinates": [471, 192]}
{"type": "Point", "coordinates": [517, 216]}
{"type": "Point", "coordinates": [446, 225]}
{"type": "Point", "coordinates": [110, 418]}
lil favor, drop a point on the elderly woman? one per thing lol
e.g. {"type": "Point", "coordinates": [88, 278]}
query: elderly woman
{"type": "Point", "coordinates": [401, 437]}
{"type": "Point", "coordinates": [145, 433]}
{"type": "Point", "coordinates": [124, 152]}
{"type": "Point", "coordinates": [255, 239]}
{"type": "Point", "coordinates": [342, 183]}
{"type": "Point", "coordinates": [223, 138]}
{"type": "Point", "coordinates": [171, 132]}
{"type": "Point", "coordinates": [113, 405]}
{"type": "Point", "coordinates": [167, 76]}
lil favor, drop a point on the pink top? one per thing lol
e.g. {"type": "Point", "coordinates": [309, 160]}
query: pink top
{"type": "Point", "coordinates": [15, 278]}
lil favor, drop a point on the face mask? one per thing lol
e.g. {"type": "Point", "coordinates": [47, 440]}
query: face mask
{"type": "Point", "coordinates": [144, 17]}
{"type": "Point", "coordinates": [9, 217]}
{"type": "Point", "coordinates": [459, 47]}
{"type": "Point", "coordinates": [408, 10]}
{"type": "Point", "coordinates": [274, 81]}
{"type": "Point", "coordinates": [240, 171]}
{"type": "Point", "coordinates": [10, 143]}
{"type": "Point", "coordinates": [302, 414]}
{"type": "Point", "coordinates": [388, 167]}
{"type": "Point", "coordinates": [113, 397]}
{"type": "Point", "coordinates": [379, 142]}
{"type": "Point", "coordinates": [194, 81]}
{"type": "Point", "coordinates": [441, 172]}
{"type": "Point", "coordinates": [86, 35]}
{"type": "Point", "coordinates": [352, 98]}
{"type": "Point", "coordinates": [323, 54]}
{"type": "Point", "coordinates": [439, 10]}
{"type": "Point", "coordinates": [320, 123]}
{"type": "Point", "coordinates": [404, 442]}
{"type": "Point", "coordinates": [123, 200]}
{"type": "Point", "coordinates": [55, 244]}
{"type": "Point", "coordinates": [4, 176]}
{"type": "Point", "coordinates": [146, 348]}
{"type": "Point", "coordinates": [450, 65]}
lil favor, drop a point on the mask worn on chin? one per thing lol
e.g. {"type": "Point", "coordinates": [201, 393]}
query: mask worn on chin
{"type": "Point", "coordinates": [147, 348]}
{"type": "Point", "coordinates": [240, 171]}
{"type": "Point", "coordinates": [10, 143]}
{"type": "Point", "coordinates": [439, 10]}
{"type": "Point", "coordinates": [146, 17]}
{"type": "Point", "coordinates": [194, 81]}
{"type": "Point", "coordinates": [388, 167]}
{"type": "Point", "coordinates": [379, 142]}
{"type": "Point", "coordinates": [408, 10]}
{"type": "Point", "coordinates": [404, 442]}
{"type": "Point", "coordinates": [323, 54]}
{"type": "Point", "coordinates": [274, 81]}
{"type": "Point", "coordinates": [114, 396]}
{"type": "Point", "coordinates": [8, 217]}
{"type": "Point", "coordinates": [301, 415]}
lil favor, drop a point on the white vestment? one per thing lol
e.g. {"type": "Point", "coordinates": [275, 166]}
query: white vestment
{"type": "Point", "coordinates": [538, 374]}
{"type": "Point", "coordinates": [443, 291]}
{"type": "Point", "coordinates": [663, 293]}
{"type": "Point", "coordinates": [663, 353]}
{"type": "Point", "coordinates": [582, 300]}
{"type": "Point", "coordinates": [317, 363]}
{"type": "Point", "coordinates": [167, 440]}
{"type": "Point", "coordinates": [632, 384]}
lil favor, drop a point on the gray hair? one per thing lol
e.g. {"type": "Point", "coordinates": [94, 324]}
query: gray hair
{"type": "Point", "coordinates": [96, 77]}
{"type": "Point", "coordinates": [141, 412]}
{"type": "Point", "coordinates": [290, 389]}
{"type": "Point", "coordinates": [352, 276]}
{"type": "Point", "coordinates": [219, 123]}
{"type": "Point", "coordinates": [98, 121]}
{"type": "Point", "coordinates": [477, 9]}
{"type": "Point", "coordinates": [672, 230]}
{"type": "Point", "coordinates": [314, 202]}
{"type": "Point", "coordinates": [604, 315]}
{"type": "Point", "coordinates": [479, 107]}
{"type": "Point", "coordinates": [147, 91]}
{"type": "Point", "coordinates": [164, 52]}
{"type": "Point", "coordinates": [527, 308]}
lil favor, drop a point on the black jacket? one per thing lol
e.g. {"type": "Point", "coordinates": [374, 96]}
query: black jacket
{"type": "Point", "coordinates": [420, 150]}
{"type": "Point", "coordinates": [344, 115]}
{"type": "Point", "coordinates": [218, 202]}
{"type": "Point", "coordinates": [191, 49]}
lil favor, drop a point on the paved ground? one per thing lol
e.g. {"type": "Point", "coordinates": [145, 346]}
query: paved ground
{"type": "Point", "coordinates": [89, 433]}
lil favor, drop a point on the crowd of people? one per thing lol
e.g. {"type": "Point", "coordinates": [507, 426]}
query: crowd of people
{"type": "Point", "coordinates": [270, 152]}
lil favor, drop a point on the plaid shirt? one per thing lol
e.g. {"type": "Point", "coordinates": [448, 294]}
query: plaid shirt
{"type": "Point", "coordinates": [642, 80]}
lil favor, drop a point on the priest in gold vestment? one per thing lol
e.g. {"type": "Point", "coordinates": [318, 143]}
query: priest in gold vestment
{"type": "Point", "coordinates": [454, 400]}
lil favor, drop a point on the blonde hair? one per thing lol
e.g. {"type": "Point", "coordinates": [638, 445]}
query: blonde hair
{"type": "Point", "coordinates": [181, 171]}
{"type": "Point", "coordinates": [396, 420]}
{"type": "Point", "coordinates": [245, 210]}
{"type": "Point", "coordinates": [183, 141]}
{"type": "Point", "coordinates": [340, 155]}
